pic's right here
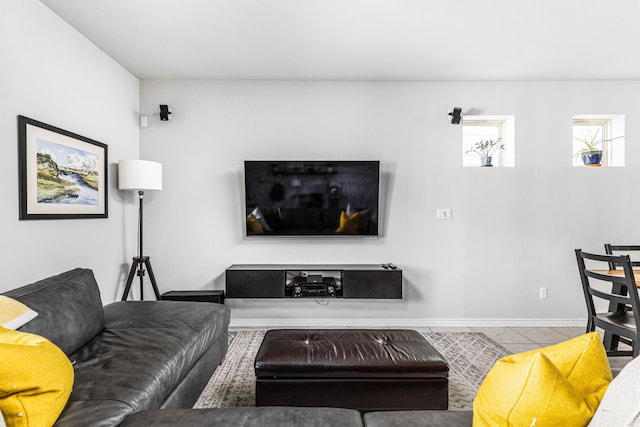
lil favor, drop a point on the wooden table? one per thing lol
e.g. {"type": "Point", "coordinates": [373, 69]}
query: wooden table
{"type": "Point", "coordinates": [620, 273]}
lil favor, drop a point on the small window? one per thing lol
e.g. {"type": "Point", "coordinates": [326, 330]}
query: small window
{"type": "Point", "coordinates": [484, 136]}
{"type": "Point", "coordinates": [598, 140]}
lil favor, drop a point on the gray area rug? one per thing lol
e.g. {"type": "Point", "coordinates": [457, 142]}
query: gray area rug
{"type": "Point", "coordinates": [470, 356]}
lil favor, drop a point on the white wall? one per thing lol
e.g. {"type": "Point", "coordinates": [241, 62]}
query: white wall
{"type": "Point", "coordinates": [513, 229]}
{"type": "Point", "coordinates": [51, 73]}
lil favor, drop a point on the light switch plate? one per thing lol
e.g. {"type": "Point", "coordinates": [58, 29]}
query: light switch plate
{"type": "Point", "coordinates": [443, 213]}
{"type": "Point", "coordinates": [544, 293]}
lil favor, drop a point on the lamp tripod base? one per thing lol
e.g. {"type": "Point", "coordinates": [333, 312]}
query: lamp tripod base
{"type": "Point", "coordinates": [137, 268]}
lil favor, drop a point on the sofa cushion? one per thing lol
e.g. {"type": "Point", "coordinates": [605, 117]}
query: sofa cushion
{"type": "Point", "coordinates": [247, 417]}
{"type": "Point", "coordinates": [557, 385]}
{"type": "Point", "coordinates": [145, 350]}
{"type": "Point", "coordinates": [35, 379]}
{"type": "Point", "coordinates": [68, 305]}
{"type": "Point", "coordinates": [432, 418]}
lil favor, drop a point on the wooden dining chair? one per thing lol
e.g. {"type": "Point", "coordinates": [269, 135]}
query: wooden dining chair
{"type": "Point", "coordinates": [634, 253]}
{"type": "Point", "coordinates": [630, 250]}
{"type": "Point", "coordinates": [619, 322]}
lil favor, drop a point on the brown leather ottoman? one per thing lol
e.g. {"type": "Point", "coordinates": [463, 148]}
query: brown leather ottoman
{"type": "Point", "coordinates": [362, 369]}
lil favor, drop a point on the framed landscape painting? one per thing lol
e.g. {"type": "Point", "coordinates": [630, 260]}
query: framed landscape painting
{"type": "Point", "coordinates": [62, 175]}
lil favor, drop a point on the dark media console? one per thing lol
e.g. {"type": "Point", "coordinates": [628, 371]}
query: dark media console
{"type": "Point", "coordinates": [365, 281]}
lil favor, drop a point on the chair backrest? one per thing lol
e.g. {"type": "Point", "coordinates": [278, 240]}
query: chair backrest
{"type": "Point", "coordinates": [630, 250]}
{"type": "Point", "coordinates": [622, 290]}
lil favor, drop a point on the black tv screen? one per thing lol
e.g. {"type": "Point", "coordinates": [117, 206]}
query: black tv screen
{"type": "Point", "coordinates": [311, 198]}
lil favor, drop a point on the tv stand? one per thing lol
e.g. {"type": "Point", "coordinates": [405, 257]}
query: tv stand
{"type": "Point", "coordinates": [361, 281]}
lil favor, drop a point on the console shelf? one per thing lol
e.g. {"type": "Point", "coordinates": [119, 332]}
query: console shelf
{"type": "Point", "coordinates": [362, 281]}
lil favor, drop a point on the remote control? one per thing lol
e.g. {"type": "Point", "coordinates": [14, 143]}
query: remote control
{"type": "Point", "coordinates": [392, 266]}
{"type": "Point", "coordinates": [385, 266]}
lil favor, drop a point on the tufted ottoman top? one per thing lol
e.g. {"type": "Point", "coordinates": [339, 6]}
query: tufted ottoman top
{"type": "Point", "coordinates": [348, 353]}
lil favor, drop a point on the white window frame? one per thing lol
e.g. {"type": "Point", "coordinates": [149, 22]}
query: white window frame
{"type": "Point", "coordinates": [504, 128]}
{"type": "Point", "coordinates": [612, 126]}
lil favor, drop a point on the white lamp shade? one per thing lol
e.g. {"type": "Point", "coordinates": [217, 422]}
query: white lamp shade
{"type": "Point", "coordinates": [139, 175]}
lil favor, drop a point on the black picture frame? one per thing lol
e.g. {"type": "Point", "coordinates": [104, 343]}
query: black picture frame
{"type": "Point", "coordinates": [62, 175]}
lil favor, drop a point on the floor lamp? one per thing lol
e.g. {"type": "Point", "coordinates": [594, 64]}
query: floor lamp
{"type": "Point", "coordinates": [140, 175]}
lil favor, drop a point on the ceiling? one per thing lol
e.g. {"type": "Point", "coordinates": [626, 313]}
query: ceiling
{"type": "Point", "coordinates": [364, 39]}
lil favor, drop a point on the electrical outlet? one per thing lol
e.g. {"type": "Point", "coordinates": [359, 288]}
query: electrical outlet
{"type": "Point", "coordinates": [544, 293]}
{"type": "Point", "coordinates": [443, 213]}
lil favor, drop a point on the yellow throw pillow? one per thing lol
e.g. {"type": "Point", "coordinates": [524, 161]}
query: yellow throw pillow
{"type": "Point", "coordinates": [253, 225]}
{"type": "Point", "coordinates": [13, 313]}
{"type": "Point", "coordinates": [348, 224]}
{"type": "Point", "coordinates": [559, 385]}
{"type": "Point", "coordinates": [35, 379]}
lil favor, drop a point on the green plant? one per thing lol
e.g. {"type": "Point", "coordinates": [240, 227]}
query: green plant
{"type": "Point", "coordinates": [486, 147]}
{"type": "Point", "coordinates": [591, 143]}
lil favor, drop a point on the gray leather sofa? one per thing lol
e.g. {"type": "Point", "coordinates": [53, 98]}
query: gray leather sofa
{"type": "Point", "coordinates": [129, 356]}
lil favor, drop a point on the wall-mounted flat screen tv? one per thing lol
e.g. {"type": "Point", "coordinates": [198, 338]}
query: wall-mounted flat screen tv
{"type": "Point", "coordinates": [312, 198]}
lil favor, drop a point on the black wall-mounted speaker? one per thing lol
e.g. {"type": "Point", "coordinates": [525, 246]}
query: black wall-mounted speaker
{"type": "Point", "coordinates": [165, 113]}
{"type": "Point", "coordinates": [456, 116]}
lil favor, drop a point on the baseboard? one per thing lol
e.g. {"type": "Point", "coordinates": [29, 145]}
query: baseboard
{"type": "Point", "coordinates": [403, 323]}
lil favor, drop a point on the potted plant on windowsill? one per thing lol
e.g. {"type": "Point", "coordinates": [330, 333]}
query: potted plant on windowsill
{"type": "Point", "coordinates": [485, 150]}
{"type": "Point", "coordinates": [591, 152]}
